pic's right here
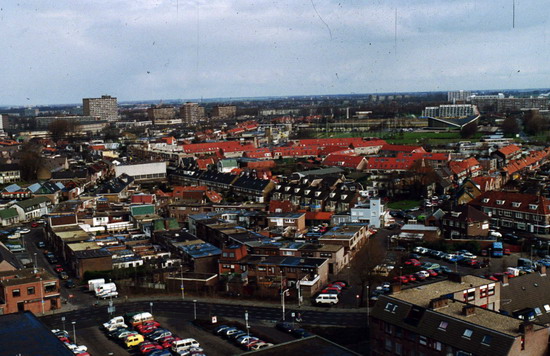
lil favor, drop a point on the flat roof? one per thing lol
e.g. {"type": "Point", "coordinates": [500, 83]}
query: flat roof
{"type": "Point", "coordinates": [24, 334]}
{"type": "Point", "coordinates": [313, 345]}
{"type": "Point", "coordinates": [422, 295]}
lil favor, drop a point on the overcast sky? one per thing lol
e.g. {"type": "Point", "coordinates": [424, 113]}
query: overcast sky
{"type": "Point", "coordinates": [59, 51]}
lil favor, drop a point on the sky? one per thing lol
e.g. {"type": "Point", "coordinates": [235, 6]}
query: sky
{"type": "Point", "coordinates": [60, 51]}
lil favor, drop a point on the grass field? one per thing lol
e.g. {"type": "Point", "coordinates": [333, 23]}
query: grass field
{"type": "Point", "coordinates": [405, 138]}
{"type": "Point", "coordinates": [404, 204]}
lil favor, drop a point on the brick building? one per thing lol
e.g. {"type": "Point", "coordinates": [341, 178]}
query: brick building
{"type": "Point", "coordinates": [28, 289]}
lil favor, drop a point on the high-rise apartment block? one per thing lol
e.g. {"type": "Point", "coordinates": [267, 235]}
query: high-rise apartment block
{"type": "Point", "coordinates": [458, 96]}
{"type": "Point", "coordinates": [105, 107]}
{"type": "Point", "coordinates": [224, 111]}
{"type": "Point", "coordinates": [161, 113]}
{"type": "Point", "coordinates": [191, 113]}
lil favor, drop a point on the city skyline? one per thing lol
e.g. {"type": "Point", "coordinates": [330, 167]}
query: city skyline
{"type": "Point", "coordinates": [59, 52]}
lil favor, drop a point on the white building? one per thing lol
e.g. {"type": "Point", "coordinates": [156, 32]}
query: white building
{"type": "Point", "coordinates": [371, 213]}
{"type": "Point", "coordinates": [142, 171]}
{"type": "Point", "coordinates": [458, 95]}
{"type": "Point", "coordinates": [450, 111]}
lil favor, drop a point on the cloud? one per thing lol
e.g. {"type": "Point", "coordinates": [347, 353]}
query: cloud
{"type": "Point", "coordinates": [61, 51]}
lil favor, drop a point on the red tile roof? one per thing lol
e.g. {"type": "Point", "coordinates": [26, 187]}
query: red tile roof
{"type": "Point", "coordinates": [317, 215]}
{"type": "Point", "coordinates": [484, 183]}
{"type": "Point", "coordinates": [324, 142]}
{"type": "Point", "coordinates": [403, 148]}
{"type": "Point", "coordinates": [389, 163]}
{"type": "Point", "coordinates": [296, 151]}
{"type": "Point", "coordinates": [530, 161]}
{"type": "Point", "coordinates": [203, 163]}
{"type": "Point", "coordinates": [528, 203]}
{"type": "Point", "coordinates": [428, 156]}
{"type": "Point", "coordinates": [346, 161]}
{"type": "Point", "coordinates": [259, 153]}
{"type": "Point", "coordinates": [508, 150]}
{"type": "Point", "coordinates": [226, 146]}
{"type": "Point", "coordinates": [142, 199]}
{"type": "Point", "coordinates": [468, 165]}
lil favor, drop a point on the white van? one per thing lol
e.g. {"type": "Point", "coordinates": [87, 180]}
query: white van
{"type": "Point", "coordinates": [185, 344]}
{"type": "Point", "coordinates": [327, 299]}
{"type": "Point", "coordinates": [140, 318]}
{"type": "Point", "coordinates": [94, 283]}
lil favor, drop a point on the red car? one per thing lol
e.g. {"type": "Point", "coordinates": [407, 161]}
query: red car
{"type": "Point", "coordinates": [334, 285]}
{"type": "Point", "coordinates": [509, 274]}
{"type": "Point", "coordinates": [432, 273]}
{"type": "Point", "coordinates": [341, 284]}
{"type": "Point", "coordinates": [493, 278]}
{"type": "Point", "coordinates": [411, 277]}
{"type": "Point", "coordinates": [401, 279]}
{"type": "Point", "coordinates": [507, 252]}
{"type": "Point", "coordinates": [148, 346]}
{"type": "Point", "coordinates": [147, 329]}
{"type": "Point", "coordinates": [331, 291]}
{"type": "Point", "coordinates": [34, 224]}
{"type": "Point", "coordinates": [413, 262]}
{"type": "Point", "coordinates": [58, 268]}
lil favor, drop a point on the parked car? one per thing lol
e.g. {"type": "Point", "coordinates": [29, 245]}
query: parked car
{"type": "Point", "coordinates": [432, 273]}
{"type": "Point", "coordinates": [411, 277]}
{"type": "Point", "coordinates": [422, 275]}
{"type": "Point", "coordinates": [40, 244]}
{"type": "Point", "coordinates": [413, 262]}
{"type": "Point", "coordinates": [445, 269]}
{"type": "Point", "coordinates": [401, 279]}
{"type": "Point", "coordinates": [506, 252]}
{"type": "Point", "coordinates": [284, 326]}
{"type": "Point", "coordinates": [260, 345]}
{"type": "Point", "coordinates": [433, 266]}
{"type": "Point", "coordinates": [301, 333]}
{"type": "Point", "coordinates": [220, 329]}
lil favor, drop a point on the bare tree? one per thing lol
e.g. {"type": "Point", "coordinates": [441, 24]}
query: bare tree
{"type": "Point", "coordinates": [30, 160]}
{"type": "Point", "coordinates": [363, 264]}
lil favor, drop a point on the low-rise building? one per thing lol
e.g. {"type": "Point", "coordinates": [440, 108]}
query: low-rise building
{"type": "Point", "coordinates": [30, 289]}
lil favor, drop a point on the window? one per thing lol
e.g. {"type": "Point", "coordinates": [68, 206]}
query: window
{"type": "Point", "coordinates": [388, 328]}
{"type": "Point", "coordinates": [485, 200]}
{"type": "Point", "coordinates": [443, 325]}
{"type": "Point", "coordinates": [30, 290]}
{"type": "Point", "coordinates": [547, 308]}
{"type": "Point", "coordinates": [533, 206]}
{"type": "Point", "coordinates": [486, 340]}
{"type": "Point", "coordinates": [518, 215]}
{"type": "Point", "coordinates": [437, 345]}
{"type": "Point", "coordinates": [390, 307]}
{"type": "Point", "coordinates": [483, 291]}
{"type": "Point", "coordinates": [423, 340]}
{"type": "Point", "coordinates": [491, 289]}
{"type": "Point", "coordinates": [467, 333]}
{"type": "Point", "coordinates": [470, 294]}
{"type": "Point", "coordinates": [500, 202]}
{"type": "Point", "coordinates": [516, 204]}
{"type": "Point", "coordinates": [388, 344]}
{"type": "Point", "coordinates": [538, 311]}
{"type": "Point", "coordinates": [16, 293]}
{"type": "Point", "coordinates": [398, 349]}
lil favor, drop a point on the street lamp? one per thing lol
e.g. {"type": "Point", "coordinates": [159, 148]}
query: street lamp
{"type": "Point", "coordinates": [283, 301]}
{"type": "Point", "coordinates": [63, 321]}
{"type": "Point", "coordinates": [194, 309]}
{"type": "Point", "coordinates": [35, 263]}
{"type": "Point", "coordinates": [368, 304]}
{"type": "Point", "coordinates": [74, 331]}
{"type": "Point", "coordinates": [246, 322]}
{"type": "Point", "coordinates": [151, 307]}
{"type": "Point", "coordinates": [42, 295]}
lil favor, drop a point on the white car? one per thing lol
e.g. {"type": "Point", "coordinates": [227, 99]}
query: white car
{"type": "Point", "coordinates": [423, 274]}
{"type": "Point", "coordinates": [469, 255]}
{"type": "Point", "coordinates": [260, 345]}
{"type": "Point", "coordinates": [24, 231]}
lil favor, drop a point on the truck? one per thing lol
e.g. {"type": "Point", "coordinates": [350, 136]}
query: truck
{"type": "Point", "coordinates": [94, 283]}
{"type": "Point", "coordinates": [115, 323]}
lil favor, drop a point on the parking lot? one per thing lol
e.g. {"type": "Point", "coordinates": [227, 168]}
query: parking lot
{"type": "Point", "coordinates": [99, 343]}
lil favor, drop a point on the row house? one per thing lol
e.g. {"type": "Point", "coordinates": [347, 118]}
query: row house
{"type": "Point", "coordinates": [300, 151]}
{"type": "Point", "coordinates": [231, 148]}
{"type": "Point", "coordinates": [532, 162]}
{"type": "Point", "coordinates": [389, 150]}
{"type": "Point", "coordinates": [252, 188]}
{"type": "Point", "coordinates": [523, 212]}
{"type": "Point", "coordinates": [343, 197]}
{"type": "Point", "coordinates": [465, 222]}
{"type": "Point", "coordinates": [306, 193]}
{"type": "Point", "coordinates": [9, 173]}
{"type": "Point", "coordinates": [455, 317]}
{"type": "Point", "coordinates": [33, 208]}
{"type": "Point", "coordinates": [436, 160]}
{"type": "Point", "coordinates": [506, 154]}
{"type": "Point", "coordinates": [469, 167]}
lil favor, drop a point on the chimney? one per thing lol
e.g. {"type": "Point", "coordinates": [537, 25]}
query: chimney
{"type": "Point", "coordinates": [526, 327]}
{"type": "Point", "coordinates": [468, 310]}
{"type": "Point", "coordinates": [396, 288]}
{"type": "Point", "coordinates": [455, 277]}
{"type": "Point", "coordinates": [439, 303]}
